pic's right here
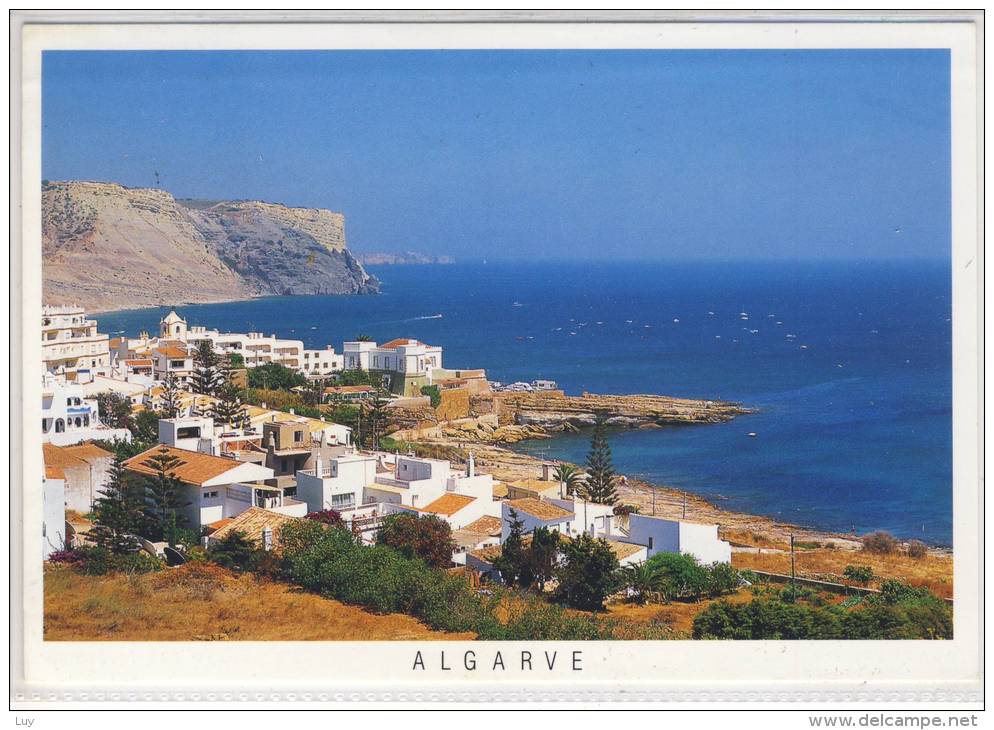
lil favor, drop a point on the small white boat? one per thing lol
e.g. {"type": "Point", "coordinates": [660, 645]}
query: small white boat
{"type": "Point", "coordinates": [751, 434]}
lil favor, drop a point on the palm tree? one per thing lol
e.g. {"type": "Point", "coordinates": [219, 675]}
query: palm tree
{"type": "Point", "coordinates": [644, 581]}
{"type": "Point", "coordinates": [570, 477]}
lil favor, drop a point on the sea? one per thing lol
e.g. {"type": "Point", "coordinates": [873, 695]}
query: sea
{"type": "Point", "coordinates": [847, 365]}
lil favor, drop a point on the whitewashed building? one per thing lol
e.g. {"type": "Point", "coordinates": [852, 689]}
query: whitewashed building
{"type": "Point", "coordinates": [70, 342]}
{"type": "Point", "coordinates": [218, 487]}
{"type": "Point", "coordinates": [404, 365]}
{"type": "Point", "coordinates": [68, 416]}
{"type": "Point", "coordinates": [660, 535]}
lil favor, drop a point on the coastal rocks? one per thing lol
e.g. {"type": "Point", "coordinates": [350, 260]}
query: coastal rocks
{"type": "Point", "coordinates": [555, 411]}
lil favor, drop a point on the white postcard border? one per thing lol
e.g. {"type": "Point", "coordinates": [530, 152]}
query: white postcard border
{"type": "Point", "coordinates": [74, 671]}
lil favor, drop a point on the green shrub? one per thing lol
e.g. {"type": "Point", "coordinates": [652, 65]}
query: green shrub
{"type": "Point", "coordinates": [588, 573]}
{"type": "Point", "coordinates": [682, 575]}
{"type": "Point", "coordinates": [899, 612]}
{"type": "Point", "coordinates": [433, 393]}
{"type": "Point", "coordinates": [862, 574]}
{"type": "Point", "coordinates": [91, 560]}
{"type": "Point", "coordinates": [379, 578]}
{"type": "Point", "coordinates": [235, 551]}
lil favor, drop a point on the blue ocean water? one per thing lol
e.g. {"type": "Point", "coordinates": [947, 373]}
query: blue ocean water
{"type": "Point", "coordinates": [854, 421]}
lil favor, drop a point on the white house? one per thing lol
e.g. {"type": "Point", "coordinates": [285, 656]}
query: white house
{"type": "Point", "coordinates": [534, 513]}
{"type": "Point", "coordinates": [218, 487]}
{"type": "Point", "coordinates": [659, 535]}
{"type": "Point", "coordinates": [255, 348]}
{"type": "Point", "coordinates": [405, 365]}
{"type": "Point", "coordinates": [337, 484]}
{"type": "Point", "coordinates": [70, 342]}
{"type": "Point", "coordinates": [68, 416]}
{"type": "Point", "coordinates": [317, 363]}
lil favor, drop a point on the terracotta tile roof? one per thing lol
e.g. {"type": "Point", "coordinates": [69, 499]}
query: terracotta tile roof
{"type": "Point", "coordinates": [489, 553]}
{"type": "Point", "coordinates": [60, 457]}
{"type": "Point", "coordinates": [138, 362]}
{"type": "Point", "coordinates": [393, 344]}
{"type": "Point", "coordinates": [87, 451]}
{"type": "Point", "coordinates": [623, 550]}
{"type": "Point", "coordinates": [537, 508]}
{"type": "Point", "coordinates": [115, 342]}
{"type": "Point", "coordinates": [169, 351]}
{"type": "Point", "coordinates": [485, 525]}
{"type": "Point", "coordinates": [252, 522]}
{"type": "Point", "coordinates": [54, 472]}
{"type": "Point", "coordinates": [214, 526]}
{"type": "Point", "coordinates": [193, 468]}
{"type": "Point", "coordinates": [448, 504]}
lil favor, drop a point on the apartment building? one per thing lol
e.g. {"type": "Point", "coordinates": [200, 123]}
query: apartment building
{"type": "Point", "coordinates": [70, 342]}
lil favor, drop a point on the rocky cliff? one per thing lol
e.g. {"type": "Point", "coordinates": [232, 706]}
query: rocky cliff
{"type": "Point", "coordinates": [107, 247]}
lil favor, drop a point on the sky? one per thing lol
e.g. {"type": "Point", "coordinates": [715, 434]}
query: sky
{"type": "Point", "coordinates": [704, 155]}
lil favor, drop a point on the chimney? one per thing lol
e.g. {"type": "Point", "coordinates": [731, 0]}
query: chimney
{"type": "Point", "coordinates": [547, 472]}
{"type": "Point", "coordinates": [471, 466]}
{"type": "Point", "coordinates": [267, 538]}
{"type": "Point", "coordinates": [318, 464]}
{"type": "Point", "coordinates": [292, 413]}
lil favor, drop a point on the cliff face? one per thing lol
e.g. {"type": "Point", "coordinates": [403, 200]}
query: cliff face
{"type": "Point", "coordinates": [110, 247]}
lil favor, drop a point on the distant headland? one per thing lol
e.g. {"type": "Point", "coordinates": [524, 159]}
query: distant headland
{"type": "Point", "coordinates": [402, 259]}
{"type": "Point", "coordinates": [107, 247]}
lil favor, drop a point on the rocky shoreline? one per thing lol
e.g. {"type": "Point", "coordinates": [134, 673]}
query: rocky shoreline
{"type": "Point", "coordinates": [516, 417]}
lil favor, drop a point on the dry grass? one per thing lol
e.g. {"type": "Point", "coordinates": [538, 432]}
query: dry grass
{"type": "Point", "coordinates": [934, 572]}
{"type": "Point", "coordinates": [678, 615]}
{"type": "Point", "coordinates": [205, 602]}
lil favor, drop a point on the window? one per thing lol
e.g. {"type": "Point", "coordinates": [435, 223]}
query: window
{"type": "Point", "coordinates": [60, 425]}
{"type": "Point", "coordinates": [283, 464]}
{"type": "Point", "coordinates": [298, 435]}
{"type": "Point", "coordinates": [210, 495]}
{"type": "Point", "coordinates": [650, 542]}
{"type": "Point", "coordinates": [188, 432]}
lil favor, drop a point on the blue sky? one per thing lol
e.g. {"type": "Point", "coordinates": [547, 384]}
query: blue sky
{"type": "Point", "coordinates": [545, 154]}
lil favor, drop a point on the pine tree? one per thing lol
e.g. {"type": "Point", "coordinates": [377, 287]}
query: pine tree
{"type": "Point", "coordinates": [207, 374]}
{"type": "Point", "coordinates": [119, 511]}
{"type": "Point", "coordinates": [514, 560]}
{"type": "Point", "coordinates": [542, 555]}
{"type": "Point", "coordinates": [600, 471]}
{"type": "Point", "coordinates": [373, 423]}
{"type": "Point", "coordinates": [229, 408]}
{"type": "Point", "coordinates": [170, 407]}
{"type": "Point", "coordinates": [164, 496]}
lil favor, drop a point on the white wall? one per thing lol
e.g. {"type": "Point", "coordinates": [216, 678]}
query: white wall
{"type": "Point", "coordinates": [344, 475]}
{"type": "Point", "coordinates": [53, 516]}
{"type": "Point", "coordinates": [702, 542]}
{"type": "Point", "coordinates": [675, 536]}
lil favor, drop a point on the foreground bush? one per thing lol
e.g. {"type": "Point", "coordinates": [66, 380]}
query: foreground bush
{"type": "Point", "coordinates": [91, 560]}
{"type": "Point", "coordinates": [416, 536]}
{"type": "Point", "coordinates": [899, 612]}
{"type": "Point", "coordinates": [917, 549]}
{"type": "Point", "coordinates": [334, 564]}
